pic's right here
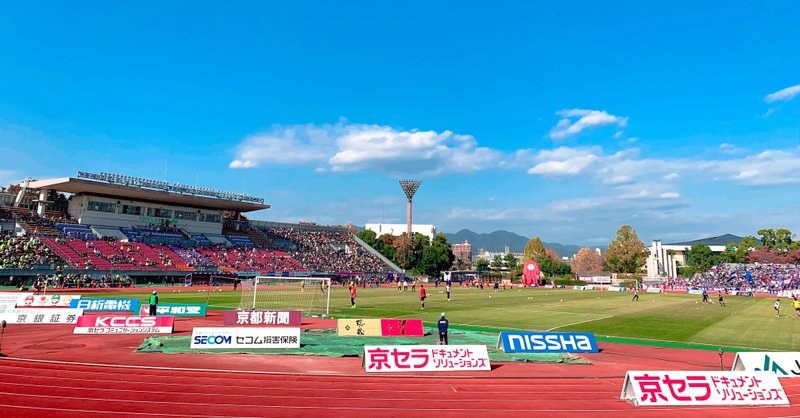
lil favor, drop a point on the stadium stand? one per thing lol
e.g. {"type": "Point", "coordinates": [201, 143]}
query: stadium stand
{"type": "Point", "coordinates": [113, 222]}
{"type": "Point", "coordinates": [192, 258]}
{"type": "Point", "coordinates": [241, 259]}
{"type": "Point", "coordinates": [217, 239]}
{"type": "Point", "coordinates": [109, 233]}
{"type": "Point", "coordinates": [240, 241]}
{"type": "Point", "coordinates": [769, 278]}
{"type": "Point", "coordinates": [31, 221]}
{"type": "Point", "coordinates": [76, 231]}
{"type": "Point", "coordinates": [25, 252]}
{"type": "Point", "coordinates": [324, 249]}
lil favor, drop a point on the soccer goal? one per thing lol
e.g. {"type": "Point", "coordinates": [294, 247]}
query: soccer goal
{"type": "Point", "coordinates": [312, 295]}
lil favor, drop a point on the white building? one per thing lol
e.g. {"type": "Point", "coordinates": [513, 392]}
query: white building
{"type": "Point", "coordinates": [664, 259]}
{"type": "Point", "coordinates": [400, 229]}
{"type": "Point", "coordinates": [109, 202]}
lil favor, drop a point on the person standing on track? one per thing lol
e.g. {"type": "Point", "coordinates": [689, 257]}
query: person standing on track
{"type": "Point", "coordinates": [153, 303]}
{"type": "Point", "coordinates": [443, 325]}
{"type": "Point", "coordinates": [352, 296]}
{"type": "Point", "coordinates": [422, 295]}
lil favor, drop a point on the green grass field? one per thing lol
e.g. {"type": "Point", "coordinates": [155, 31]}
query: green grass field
{"type": "Point", "coordinates": [658, 319]}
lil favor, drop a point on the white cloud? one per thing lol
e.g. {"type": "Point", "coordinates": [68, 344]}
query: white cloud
{"type": "Point", "coordinates": [766, 168]}
{"type": "Point", "coordinates": [299, 144]}
{"type": "Point", "coordinates": [346, 147]}
{"type": "Point", "coordinates": [730, 149]}
{"type": "Point", "coordinates": [626, 168]}
{"type": "Point", "coordinates": [618, 134]}
{"type": "Point", "coordinates": [569, 126]}
{"type": "Point", "coordinates": [564, 161]}
{"type": "Point", "coordinates": [670, 195]}
{"type": "Point", "coordinates": [786, 94]}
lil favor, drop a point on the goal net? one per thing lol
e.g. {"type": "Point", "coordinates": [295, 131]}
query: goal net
{"type": "Point", "coordinates": [308, 294]}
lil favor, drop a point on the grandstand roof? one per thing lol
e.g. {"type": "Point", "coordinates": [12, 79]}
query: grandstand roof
{"type": "Point", "coordinates": [76, 186]}
{"type": "Point", "coordinates": [720, 240]}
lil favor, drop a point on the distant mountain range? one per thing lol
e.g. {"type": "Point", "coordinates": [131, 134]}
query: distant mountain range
{"type": "Point", "coordinates": [498, 240]}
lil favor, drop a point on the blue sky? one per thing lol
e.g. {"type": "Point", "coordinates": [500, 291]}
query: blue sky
{"type": "Point", "coordinates": [557, 119]}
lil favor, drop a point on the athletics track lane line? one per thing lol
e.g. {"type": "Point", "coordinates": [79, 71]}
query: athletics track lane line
{"type": "Point", "coordinates": [553, 410]}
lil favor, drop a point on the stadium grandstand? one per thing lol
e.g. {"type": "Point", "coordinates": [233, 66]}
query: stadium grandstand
{"type": "Point", "coordinates": [99, 225]}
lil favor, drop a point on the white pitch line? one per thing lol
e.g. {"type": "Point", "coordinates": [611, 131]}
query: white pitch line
{"type": "Point", "coordinates": [579, 322]}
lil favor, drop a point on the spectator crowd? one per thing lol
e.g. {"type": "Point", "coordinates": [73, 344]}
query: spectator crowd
{"type": "Point", "coordinates": [329, 251]}
{"type": "Point", "coordinates": [25, 252]}
{"type": "Point", "coordinates": [770, 278]}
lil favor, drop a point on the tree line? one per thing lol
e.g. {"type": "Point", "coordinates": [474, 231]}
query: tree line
{"type": "Point", "coordinates": [420, 256]}
{"type": "Point", "coordinates": [625, 254]}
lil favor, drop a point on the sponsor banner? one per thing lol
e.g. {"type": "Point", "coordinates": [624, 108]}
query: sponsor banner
{"type": "Point", "coordinates": [44, 301]}
{"type": "Point", "coordinates": [653, 290]}
{"type": "Point", "coordinates": [242, 318]}
{"type": "Point", "coordinates": [241, 338]}
{"type": "Point", "coordinates": [107, 305]}
{"type": "Point", "coordinates": [176, 309]}
{"type": "Point", "coordinates": [579, 287]}
{"type": "Point", "coordinates": [41, 316]}
{"type": "Point", "coordinates": [425, 358]}
{"type": "Point", "coordinates": [596, 279]}
{"type": "Point", "coordinates": [402, 328]}
{"type": "Point", "coordinates": [617, 288]}
{"type": "Point", "coordinates": [359, 327]}
{"type": "Point", "coordinates": [4, 306]}
{"type": "Point", "coordinates": [740, 293]}
{"type": "Point", "coordinates": [782, 364]}
{"type": "Point", "coordinates": [660, 388]}
{"type": "Point", "coordinates": [695, 291]}
{"type": "Point", "coordinates": [107, 324]}
{"type": "Point", "coordinates": [547, 342]}
{"type": "Point", "coordinates": [9, 298]}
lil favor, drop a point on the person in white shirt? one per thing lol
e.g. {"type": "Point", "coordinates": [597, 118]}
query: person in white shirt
{"type": "Point", "coordinates": [778, 307]}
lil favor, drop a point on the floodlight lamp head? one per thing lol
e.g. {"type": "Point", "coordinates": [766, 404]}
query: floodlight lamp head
{"type": "Point", "coordinates": [410, 187]}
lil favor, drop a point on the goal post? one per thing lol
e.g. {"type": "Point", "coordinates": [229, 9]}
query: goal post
{"type": "Point", "coordinates": [312, 295]}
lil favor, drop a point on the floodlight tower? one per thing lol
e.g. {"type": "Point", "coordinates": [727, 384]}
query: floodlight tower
{"type": "Point", "coordinates": [410, 188]}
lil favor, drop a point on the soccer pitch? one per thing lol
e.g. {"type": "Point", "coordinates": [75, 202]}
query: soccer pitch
{"type": "Point", "coordinates": [660, 319]}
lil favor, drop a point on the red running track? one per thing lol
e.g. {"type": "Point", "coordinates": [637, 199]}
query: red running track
{"type": "Point", "coordinates": [53, 373]}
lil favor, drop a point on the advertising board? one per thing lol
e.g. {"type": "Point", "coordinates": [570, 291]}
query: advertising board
{"type": "Point", "coordinates": [547, 342]}
{"type": "Point", "coordinates": [670, 388]}
{"type": "Point", "coordinates": [41, 316]}
{"type": "Point", "coordinates": [261, 318]}
{"type": "Point", "coordinates": [46, 301]}
{"type": "Point", "coordinates": [245, 337]}
{"type": "Point", "coordinates": [109, 324]}
{"type": "Point", "coordinates": [425, 358]}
